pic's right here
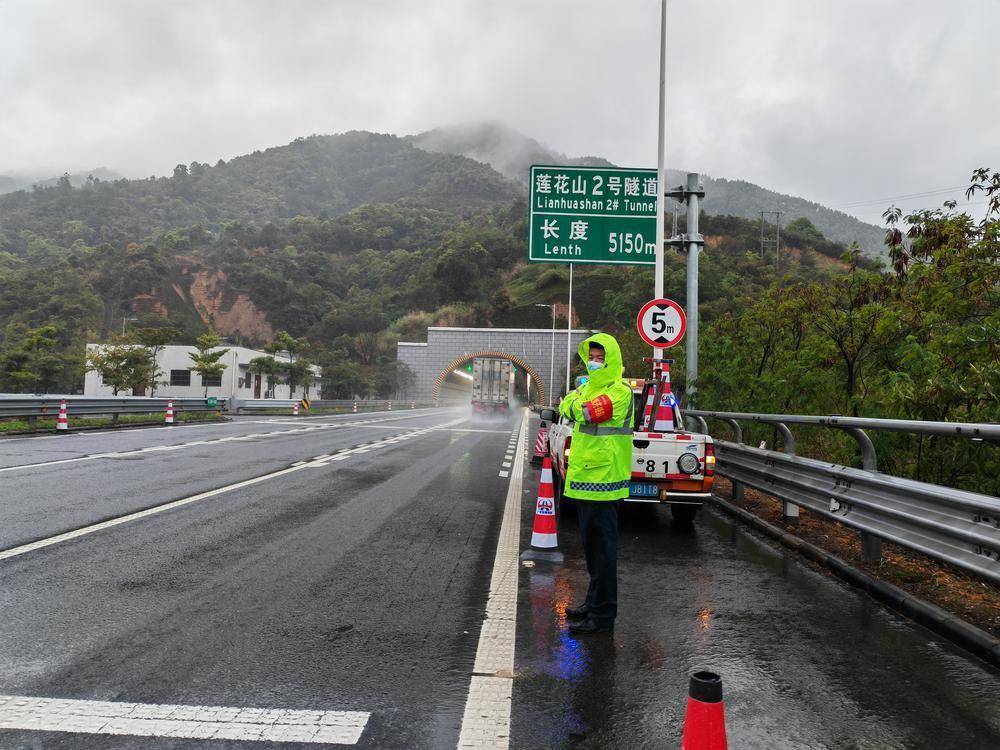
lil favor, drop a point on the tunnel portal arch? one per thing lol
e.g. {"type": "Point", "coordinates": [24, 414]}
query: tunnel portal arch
{"type": "Point", "coordinates": [491, 354]}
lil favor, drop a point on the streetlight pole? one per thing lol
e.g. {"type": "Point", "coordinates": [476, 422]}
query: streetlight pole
{"type": "Point", "coordinates": [552, 353]}
{"type": "Point", "coordinates": [661, 170]}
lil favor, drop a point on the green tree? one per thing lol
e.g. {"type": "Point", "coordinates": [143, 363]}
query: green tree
{"type": "Point", "coordinates": [295, 371]}
{"type": "Point", "coordinates": [30, 364]}
{"type": "Point", "coordinates": [122, 366]}
{"type": "Point", "coordinates": [155, 339]}
{"type": "Point", "coordinates": [205, 360]}
{"type": "Point", "coordinates": [267, 367]}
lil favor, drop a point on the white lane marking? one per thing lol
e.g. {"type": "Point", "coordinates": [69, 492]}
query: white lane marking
{"type": "Point", "coordinates": [486, 722]}
{"type": "Point", "coordinates": [505, 464]}
{"type": "Point", "coordinates": [505, 473]}
{"type": "Point", "coordinates": [191, 722]}
{"type": "Point", "coordinates": [232, 438]}
{"type": "Point", "coordinates": [67, 536]}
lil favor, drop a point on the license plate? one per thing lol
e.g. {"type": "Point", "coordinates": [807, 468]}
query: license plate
{"type": "Point", "coordinates": [643, 489]}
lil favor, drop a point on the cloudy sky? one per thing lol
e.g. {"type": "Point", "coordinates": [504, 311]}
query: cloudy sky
{"type": "Point", "coordinates": [839, 101]}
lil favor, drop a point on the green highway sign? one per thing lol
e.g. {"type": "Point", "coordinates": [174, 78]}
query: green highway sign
{"type": "Point", "coordinates": [592, 215]}
{"type": "Point", "coordinates": [212, 401]}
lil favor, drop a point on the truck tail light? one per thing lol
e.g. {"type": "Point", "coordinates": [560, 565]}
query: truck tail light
{"type": "Point", "coordinates": [709, 460]}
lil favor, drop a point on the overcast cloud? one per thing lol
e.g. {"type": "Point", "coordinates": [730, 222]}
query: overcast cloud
{"type": "Point", "coordinates": [833, 100]}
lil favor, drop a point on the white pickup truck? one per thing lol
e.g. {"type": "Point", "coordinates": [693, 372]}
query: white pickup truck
{"type": "Point", "coordinates": [668, 468]}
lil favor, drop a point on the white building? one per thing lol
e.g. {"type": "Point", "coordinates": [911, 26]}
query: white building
{"type": "Point", "coordinates": [237, 380]}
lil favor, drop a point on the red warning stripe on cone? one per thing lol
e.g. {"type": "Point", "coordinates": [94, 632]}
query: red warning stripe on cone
{"type": "Point", "coordinates": [62, 423]}
{"type": "Point", "coordinates": [704, 720]}
{"type": "Point", "coordinates": [543, 533]}
{"type": "Point", "coordinates": [664, 421]}
{"type": "Point", "coordinates": [541, 444]}
{"type": "Point", "coordinates": [170, 412]}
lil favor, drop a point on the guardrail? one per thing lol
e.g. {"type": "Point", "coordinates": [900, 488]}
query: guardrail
{"type": "Point", "coordinates": [263, 404]}
{"type": "Point", "coordinates": [32, 407]}
{"type": "Point", "coordinates": [958, 527]}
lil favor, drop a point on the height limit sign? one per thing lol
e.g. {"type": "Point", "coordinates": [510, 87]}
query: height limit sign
{"type": "Point", "coordinates": [661, 323]}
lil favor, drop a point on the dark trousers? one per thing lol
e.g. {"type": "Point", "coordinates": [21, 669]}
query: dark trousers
{"type": "Point", "coordinates": [599, 533]}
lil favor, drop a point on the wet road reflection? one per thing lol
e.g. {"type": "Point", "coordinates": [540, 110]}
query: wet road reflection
{"type": "Point", "coordinates": [806, 661]}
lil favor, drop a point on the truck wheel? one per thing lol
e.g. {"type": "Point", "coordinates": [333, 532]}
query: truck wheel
{"type": "Point", "coordinates": [684, 514]}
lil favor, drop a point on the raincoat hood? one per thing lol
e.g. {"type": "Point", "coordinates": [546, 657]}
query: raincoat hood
{"type": "Point", "coordinates": [612, 370]}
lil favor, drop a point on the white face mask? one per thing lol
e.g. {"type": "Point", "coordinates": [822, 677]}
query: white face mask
{"type": "Point", "coordinates": [593, 365]}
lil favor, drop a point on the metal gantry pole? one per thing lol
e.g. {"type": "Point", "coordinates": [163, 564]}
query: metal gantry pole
{"type": "Point", "coordinates": [691, 342]}
{"type": "Point", "coordinates": [569, 328]}
{"type": "Point", "coordinates": [661, 170]}
{"type": "Point", "coordinates": [552, 356]}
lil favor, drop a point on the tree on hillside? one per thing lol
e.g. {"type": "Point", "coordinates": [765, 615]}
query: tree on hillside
{"type": "Point", "coordinates": [205, 360]}
{"type": "Point", "coordinates": [30, 364]}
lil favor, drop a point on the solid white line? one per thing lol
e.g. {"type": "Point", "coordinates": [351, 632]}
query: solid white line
{"type": "Point", "coordinates": [76, 533]}
{"type": "Point", "coordinates": [486, 721]}
{"type": "Point", "coordinates": [191, 722]}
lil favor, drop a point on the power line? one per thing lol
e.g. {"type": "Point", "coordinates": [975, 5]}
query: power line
{"type": "Point", "coordinates": [924, 194]}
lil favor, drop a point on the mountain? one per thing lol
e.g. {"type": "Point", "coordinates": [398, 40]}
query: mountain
{"type": "Point", "coordinates": [12, 182]}
{"type": "Point", "coordinates": [349, 240]}
{"type": "Point", "coordinates": [314, 176]}
{"type": "Point", "coordinates": [511, 153]}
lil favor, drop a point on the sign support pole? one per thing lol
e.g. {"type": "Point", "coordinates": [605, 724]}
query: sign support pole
{"type": "Point", "coordinates": [691, 348]}
{"type": "Point", "coordinates": [569, 329]}
{"type": "Point", "coordinates": [661, 171]}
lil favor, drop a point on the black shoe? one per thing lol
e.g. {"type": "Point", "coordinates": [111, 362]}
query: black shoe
{"type": "Point", "coordinates": [590, 625]}
{"type": "Point", "coordinates": [578, 613]}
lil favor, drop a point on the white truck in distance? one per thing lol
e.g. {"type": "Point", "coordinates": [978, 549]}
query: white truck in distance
{"type": "Point", "coordinates": [668, 468]}
{"type": "Point", "coordinates": [491, 385]}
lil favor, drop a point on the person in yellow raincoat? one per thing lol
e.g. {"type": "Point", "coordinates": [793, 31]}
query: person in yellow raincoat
{"type": "Point", "coordinates": [598, 475]}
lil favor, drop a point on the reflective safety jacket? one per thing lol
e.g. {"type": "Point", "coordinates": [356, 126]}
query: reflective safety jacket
{"type": "Point", "coordinates": [600, 460]}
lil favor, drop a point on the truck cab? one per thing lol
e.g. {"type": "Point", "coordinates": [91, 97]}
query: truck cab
{"type": "Point", "coordinates": [674, 468]}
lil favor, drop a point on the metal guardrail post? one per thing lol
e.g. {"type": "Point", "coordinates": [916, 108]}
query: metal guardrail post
{"type": "Point", "coordinates": [871, 545]}
{"type": "Point", "coordinates": [790, 511]}
{"type": "Point", "coordinates": [702, 424]}
{"type": "Point", "coordinates": [737, 437]}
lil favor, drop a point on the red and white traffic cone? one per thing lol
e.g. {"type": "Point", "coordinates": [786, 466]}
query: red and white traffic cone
{"type": "Point", "coordinates": [390, 405]}
{"type": "Point", "coordinates": [413, 404]}
{"type": "Point", "coordinates": [664, 421]}
{"type": "Point", "coordinates": [170, 412]}
{"type": "Point", "coordinates": [355, 409]}
{"type": "Point", "coordinates": [62, 422]}
{"type": "Point", "coordinates": [295, 409]}
{"type": "Point", "coordinates": [544, 537]}
{"type": "Point", "coordinates": [541, 444]}
{"type": "Point", "coordinates": [705, 718]}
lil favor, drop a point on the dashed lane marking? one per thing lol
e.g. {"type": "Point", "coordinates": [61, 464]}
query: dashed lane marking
{"type": "Point", "coordinates": [486, 722]}
{"type": "Point", "coordinates": [190, 722]}
{"type": "Point", "coordinates": [309, 427]}
{"type": "Point", "coordinates": [84, 531]}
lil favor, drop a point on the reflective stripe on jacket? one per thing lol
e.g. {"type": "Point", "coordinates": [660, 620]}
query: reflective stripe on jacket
{"type": "Point", "coordinates": [600, 461]}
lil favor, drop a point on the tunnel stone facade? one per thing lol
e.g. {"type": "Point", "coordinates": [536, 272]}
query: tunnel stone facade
{"type": "Point", "coordinates": [448, 348]}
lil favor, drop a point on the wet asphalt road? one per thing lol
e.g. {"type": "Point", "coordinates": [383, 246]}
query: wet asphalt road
{"type": "Point", "coordinates": [361, 584]}
{"type": "Point", "coordinates": [806, 661]}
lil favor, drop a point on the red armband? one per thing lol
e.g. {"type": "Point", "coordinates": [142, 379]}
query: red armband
{"type": "Point", "coordinates": [599, 410]}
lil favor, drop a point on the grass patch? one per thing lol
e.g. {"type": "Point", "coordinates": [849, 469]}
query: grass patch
{"type": "Point", "coordinates": [49, 423]}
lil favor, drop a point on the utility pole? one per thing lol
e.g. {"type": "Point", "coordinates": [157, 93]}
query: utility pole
{"type": "Point", "coordinates": [569, 329]}
{"type": "Point", "coordinates": [661, 170]}
{"type": "Point", "coordinates": [765, 241]}
{"type": "Point", "coordinates": [693, 248]}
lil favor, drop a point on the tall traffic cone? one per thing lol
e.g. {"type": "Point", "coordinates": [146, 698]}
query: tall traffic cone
{"type": "Point", "coordinates": [705, 718]}
{"type": "Point", "coordinates": [390, 405]}
{"type": "Point", "coordinates": [413, 404]}
{"type": "Point", "coordinates": [544, 541]}
{"type": "Point", "coordinates": [664, 420]}
{"type": "Point", "coordinates": [62, 423]}
{"type": "Point", "coordinates": [295, 409]}
{"type": "Point", "coordinates": [541, 444]}
{"type": "Point", "coordinates": [170, 412]}
{"type": "Point", "coordinates": [355, 409]}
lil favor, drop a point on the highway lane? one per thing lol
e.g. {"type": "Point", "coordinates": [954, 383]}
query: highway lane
{"type": "Point", "coordinates": [356, 585]}
{"type": "Point", "coordinates": [84, 479]}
